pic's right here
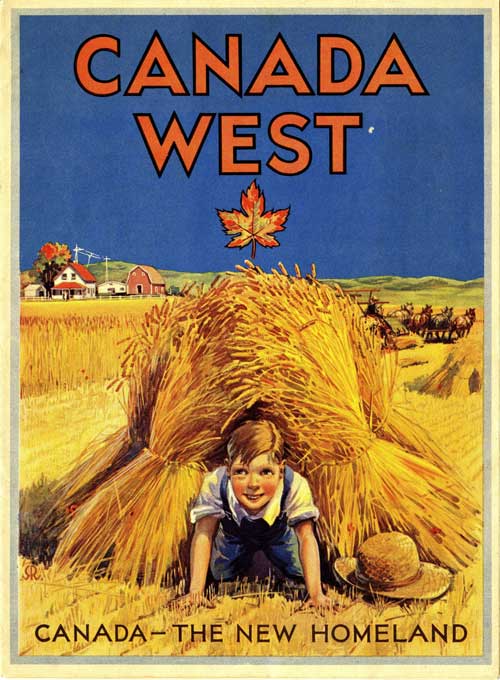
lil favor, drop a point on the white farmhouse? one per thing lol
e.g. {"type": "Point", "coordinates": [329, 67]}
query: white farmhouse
{"type": "Point", "coordinates": [74, 282]}
{"type": "Point", "coordinates": [112, 288]}
{"type": "Point", "coordinates": [34, 290]}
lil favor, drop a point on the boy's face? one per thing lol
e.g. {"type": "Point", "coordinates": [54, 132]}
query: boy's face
{"type": "Point", "coordinates": [254, 483]}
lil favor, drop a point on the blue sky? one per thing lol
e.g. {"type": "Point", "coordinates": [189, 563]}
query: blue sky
{"type": "Point", "coordinates": [410, 203]}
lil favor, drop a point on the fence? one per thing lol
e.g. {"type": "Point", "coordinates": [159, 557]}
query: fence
{"type": "Point", "coordinates": [97, 297]}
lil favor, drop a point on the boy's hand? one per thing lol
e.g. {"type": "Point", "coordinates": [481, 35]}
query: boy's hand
{"type": "Point", "coordinates": [321, 601]}
{"type": "Point", "coordinates": [322, 604]}
{"type": "Point", "coordinates": [191, 601]}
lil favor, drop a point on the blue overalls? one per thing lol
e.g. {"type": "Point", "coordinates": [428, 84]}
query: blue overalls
{"type": "Point", "coordinates": [235, 544]}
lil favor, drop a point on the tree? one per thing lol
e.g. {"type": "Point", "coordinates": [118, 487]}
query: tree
{"type": "Point", "coordinates": [25, 279]}
{"type": "Point", "coordinates": [52, 257]}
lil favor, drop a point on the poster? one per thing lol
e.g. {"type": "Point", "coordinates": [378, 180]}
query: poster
{"type": "Point", "coordinates": [228, 215]}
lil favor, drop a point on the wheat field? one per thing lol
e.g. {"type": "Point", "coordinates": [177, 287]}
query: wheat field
{"type": "Point", "coordinates": [67, 345]}
{"type": "Point", "coordinates": [70, 354]}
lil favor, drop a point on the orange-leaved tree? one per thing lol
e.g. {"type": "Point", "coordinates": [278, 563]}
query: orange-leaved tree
{"type": "Point", "coordinates": [253, 225]}
{"type": "Point", "coordinates": [52, 257]}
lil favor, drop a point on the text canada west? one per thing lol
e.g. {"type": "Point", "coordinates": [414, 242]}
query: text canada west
{"type": "Point", "coordinates": [280, 68]}
{"type": "Point", "coordinates": [260, 633]}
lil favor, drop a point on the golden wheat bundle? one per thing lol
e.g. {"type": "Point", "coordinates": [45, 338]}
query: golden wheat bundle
{"type": "Point", "coordinates": [98, 461]}
{"type": "Point", "coordinates": [284, 348]}
{"type": "Point", "coordinates": [462, 372]}
{"type": "Point", "coordinates": [157, 355]}
{"type": "Point", "coordinates": [132, 490]}
{"type": "Point", "coordinates": [391, 489]}
{"type": "Point", "coordinates": [308, 362]}
{"type": "Point", "coordinates": [130, 527]}
{"type": "Point", "coordinates": [307, 345]}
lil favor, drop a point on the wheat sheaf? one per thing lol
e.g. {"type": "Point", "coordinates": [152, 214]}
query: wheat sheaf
{"type": "Point", "coordinates": [255, 345]}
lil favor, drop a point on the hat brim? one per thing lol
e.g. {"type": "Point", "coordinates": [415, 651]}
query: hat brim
{"type": "Point", "coordinates": [433, 581]}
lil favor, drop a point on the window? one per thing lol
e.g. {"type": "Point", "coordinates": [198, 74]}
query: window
{"type": "Point", "coordinates": [64, 277]}
{"type": "Point", "coordinates": [73, 276]}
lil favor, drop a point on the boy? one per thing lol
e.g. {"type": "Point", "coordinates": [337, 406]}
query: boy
{"type": "Point", "coordinates": [255, 502]}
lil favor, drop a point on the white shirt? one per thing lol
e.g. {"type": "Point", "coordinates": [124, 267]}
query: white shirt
{"type": "Point", "coordinates": [299, 504]}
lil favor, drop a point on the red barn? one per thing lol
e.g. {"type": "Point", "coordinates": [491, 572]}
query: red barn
{"type": "Point", "coordinates": [145, 280]}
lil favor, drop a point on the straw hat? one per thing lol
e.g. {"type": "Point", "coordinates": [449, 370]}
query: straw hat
{"type": "Point", "coordinates": [388, 564]}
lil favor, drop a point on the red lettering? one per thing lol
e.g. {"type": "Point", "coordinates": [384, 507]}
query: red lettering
{"type": "Point", "coordinates": [229, 142]}
{"type": "Point", "coordinates": [406, 76]}
{"type": "Point", "coordinates": [206, 60]}
{"type": "Point", "coordinates": [326, 47]}
{"type": "Point", "coordinates": [187, 148]}
{"type": "Point", "coordinates": [156, 55]}
{"type": "Point", "coordinates": [301, 150]}
{"type": "Point", "coordinates": [338, 123]}
{"type": "Point", "coordinates": [83, 59]}
{"type": "Point", "coordinates": [279, 56]}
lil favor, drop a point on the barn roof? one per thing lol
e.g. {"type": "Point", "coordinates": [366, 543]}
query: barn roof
{"type": "Point", "coordinates": [82, 271]}
{"type": "Point", "coordinates": [69, 285]}
{"type": "Point", "coordinates": [153, 274]}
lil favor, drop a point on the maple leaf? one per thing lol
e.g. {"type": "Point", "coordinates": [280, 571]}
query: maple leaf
{"type": "Point", "coordinates": [253, 225]}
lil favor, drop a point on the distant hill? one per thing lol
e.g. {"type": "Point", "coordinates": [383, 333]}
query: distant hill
{"type": "Point", "coordinates": [393, 290]}
{"type": "Point", "coordinates": [433, 290]}
{"type": "Point", "coordinates": [406, 282]}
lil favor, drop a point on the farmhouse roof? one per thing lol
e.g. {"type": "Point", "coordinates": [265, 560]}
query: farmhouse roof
{"type": "Point", "coordinates": [154, 274]}
{"type": "Point", "coordinates": [69, 285]}
{"type": "Point", "coordinates": [83, 272]}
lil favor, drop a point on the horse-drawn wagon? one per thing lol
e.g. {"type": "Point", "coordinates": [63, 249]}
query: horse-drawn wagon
{"type": "Point", "coordinates": [386, 327]}
{"type": "Point", "coordinates": [439, 327]}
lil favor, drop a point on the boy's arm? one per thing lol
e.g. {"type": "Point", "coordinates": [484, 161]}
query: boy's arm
{"type": "Point", "coordinates": [201, 547]}
{"type": "Point", "coordinates": [309, 558]}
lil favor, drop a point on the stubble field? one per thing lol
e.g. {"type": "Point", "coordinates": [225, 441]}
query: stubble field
{"type": "Point", "coordinates": [70, 353]}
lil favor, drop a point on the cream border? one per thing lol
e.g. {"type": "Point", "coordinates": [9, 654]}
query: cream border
{"type": "Point", "coordinates": [8, 293]}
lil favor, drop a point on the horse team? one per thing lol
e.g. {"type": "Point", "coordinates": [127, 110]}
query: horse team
{"type": "Point", "coordinates": [439, 326]}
